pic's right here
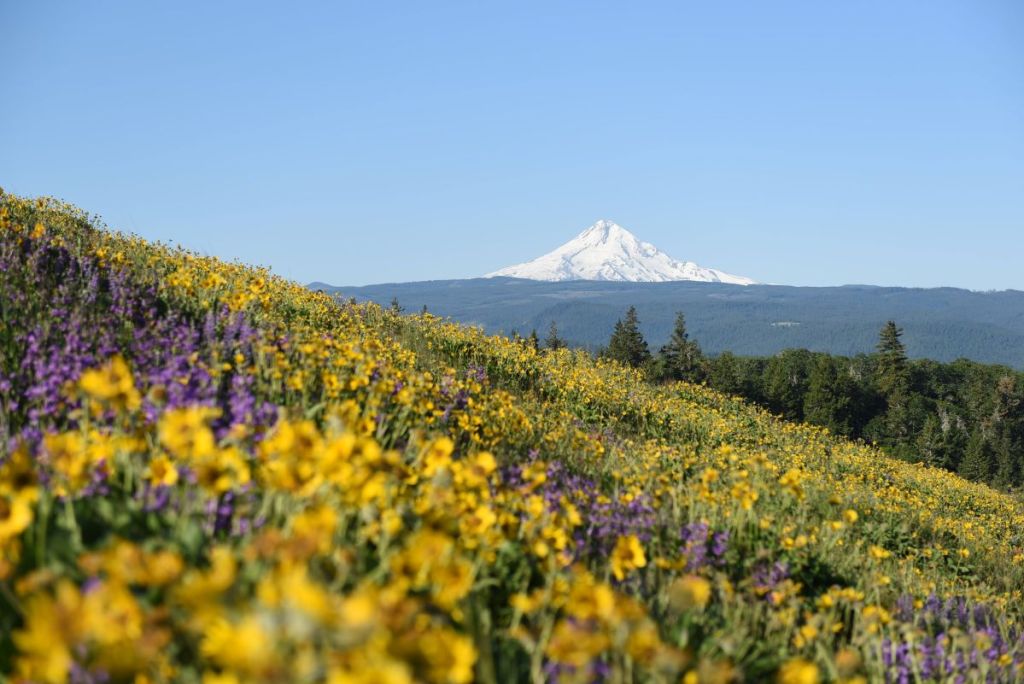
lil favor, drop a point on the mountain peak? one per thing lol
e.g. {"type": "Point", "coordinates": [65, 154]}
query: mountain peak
{"type": "Point", "coordinates": [605, 231]}
{"type": "Point", "coordinates": [605, 227]}
{"type": "Point", "coordinates": [607, 251]}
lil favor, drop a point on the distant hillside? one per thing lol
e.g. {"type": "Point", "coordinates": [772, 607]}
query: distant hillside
{"type": "Point", "coordinates": [942, 323]}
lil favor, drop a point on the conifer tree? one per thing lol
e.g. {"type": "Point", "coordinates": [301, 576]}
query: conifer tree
{"type": "Point", "coordinates": [829, 396]}
{"type": "Point", "coordinates": [553, 341]}
{"type": "Point", "coordinates": [979, 461]}
{"type": "Point", "coordinates": [893, 369]}
{"type": "Point", "coordinates": [1008, 438]}
{"type": "Point", "coordinates": [942, 440]}
{"type": "Point", "coordinates": [533, 340]}
{"type": "Point", "coordinates": [785, 382]}
{"type": "Point", "coordinates": [725, 374]}
{"type": "Point", "coordinates": [930, 443]}
{"type": "Point", "coordinates": [627, 344]}
{"type": "Point", "coordinates": [681, 358]}
{"type": "Point", "coordinates": [395, 306]}
{"type": "Point", "coordinates": [893, 380]}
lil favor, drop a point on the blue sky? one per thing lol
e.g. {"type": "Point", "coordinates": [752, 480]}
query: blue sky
{"type": "Point", "coordinates": [806, 143]}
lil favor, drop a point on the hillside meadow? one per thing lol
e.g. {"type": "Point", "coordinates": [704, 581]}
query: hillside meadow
{"type": "Point", "coordinates": [211, 474]}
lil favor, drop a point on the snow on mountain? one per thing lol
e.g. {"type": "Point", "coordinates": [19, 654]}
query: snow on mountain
{"type": "Point", "coordinates": [607, 251]}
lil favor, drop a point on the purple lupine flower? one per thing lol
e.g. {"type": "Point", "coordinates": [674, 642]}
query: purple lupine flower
{"type": "Point", "coordinates": [720, 544]}
{"type": "Point", "coordinates": [80, 313]}
{"type": "Point", "coordinates": [931, 656]}
{"type": "Point", "coordinates": [766, 576]}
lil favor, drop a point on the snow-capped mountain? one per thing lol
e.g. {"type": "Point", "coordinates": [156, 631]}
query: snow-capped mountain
{"type": "Point", "coordinates": [607, 251]}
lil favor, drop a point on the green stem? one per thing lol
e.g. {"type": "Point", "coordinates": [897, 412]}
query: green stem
{"type": "Point", "coordinates": [72, 523]}
{"type": "Point", "coordinates": [11, 599]}
{"type": "Point", "coordinates": [481, 618]}
{"type": "Point", "coordinates": [43, 523]}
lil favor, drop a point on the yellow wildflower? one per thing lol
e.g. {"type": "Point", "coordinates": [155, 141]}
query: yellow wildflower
{"type": "Point", "coordinates": [15, 516]}
{"type": "Point", "coordinates": [449, 657]}
{"type": "Point", "coordinates": [222, 470]}
{"type": "Point", "coordinates": [879, 553]}
{"type": "Point", "coordinates": [798, 671]}
{"type": "Point", "coordinates": [66, 453]}
{"type": "Point", "coordinates": [112, 383]}
{"type": "Point", "coordinates": [627, 556]}
{"type": "Point", "coordinates": [690, 592]}
{"type": "Point", "coordinates": [245, 646]}
{"type": "Point", "coordinates": [18, 475]}
{"type": "Point", "coordinates": [589, 599]}
{"type": "Point", "coordinates": [161, 472]}
{"type": "Point", "coordinates": [44, 644]}
{"type": "Point", "coordinates": [438, 456]}
{"type": "Point", "coordinates": [574, 644]}
{"type": "Point", "coordinates": [791, 482]}
{"type": "Point", "coordinates": [474, 525]}
{"type": "Point", "coordinates": [317, 525]}
{"type": "Point", "coordinates": [185, 432]}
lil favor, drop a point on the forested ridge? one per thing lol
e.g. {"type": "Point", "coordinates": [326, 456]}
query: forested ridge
{"type": "Point", "coordinates": [944, 324]}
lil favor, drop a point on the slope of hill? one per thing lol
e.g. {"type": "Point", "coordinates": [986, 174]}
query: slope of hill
{"type": "Point", "coordinates": [759, 320]}
{"type": "Point", "coordinates": [215, 475]}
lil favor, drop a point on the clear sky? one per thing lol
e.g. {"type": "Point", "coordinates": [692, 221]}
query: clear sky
{"type": "Point", "coordinates": [805, 143]}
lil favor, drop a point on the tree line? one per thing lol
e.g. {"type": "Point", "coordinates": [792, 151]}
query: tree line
{"type": "Point", "coordinates": [964, 416]}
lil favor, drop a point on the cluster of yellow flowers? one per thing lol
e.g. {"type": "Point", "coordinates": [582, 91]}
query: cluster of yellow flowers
{"type": "Point", "coordinates": [19, 492]}
{"type": "Point", "coordinates": [290, 603]}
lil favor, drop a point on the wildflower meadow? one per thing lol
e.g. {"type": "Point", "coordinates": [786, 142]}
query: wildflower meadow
{"type": "Point", "coordinates": [211, 474]}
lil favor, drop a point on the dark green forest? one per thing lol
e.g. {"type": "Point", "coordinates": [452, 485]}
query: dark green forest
{"type": "Point", "coordinates": [964, 416]}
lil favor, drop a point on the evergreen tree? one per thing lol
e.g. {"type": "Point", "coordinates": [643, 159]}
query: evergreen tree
{"type": "Point", "coordinates": [1006, 461]}
{"type": "Point", "coordinates": [1007, 442]}
{"type": "Point", "coordinates": [533, 340]}
{"type": "Point", "coordinates": [617, 345]}
{"type": "Point", "coordinates": [942, 440]}
{"type": "Point", "coordinates": [893, 368]}
{"type": "Point", "coordinates": [724, 374]}
{"type": "Point", "coordinates": [893, 378]}
{"type": "Point", "coordinates": [681, 358]}
{"type": "Point", "coordinates": [553, 341]}
{"type": "Point", "coordinates": [395, 306]}
{"type": "Point", "coordinates": [786, 382]}
{"type": "Point", "coordinates": [829, 398]}
{"type": "Point", "coordinates": [979, 460]}
{"type": "Point", "coordinates": [627, 344]}
{"type": "Point", "coordinates": [929, 443]}
{"type": "Point", "coordinates": [423, 311]}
